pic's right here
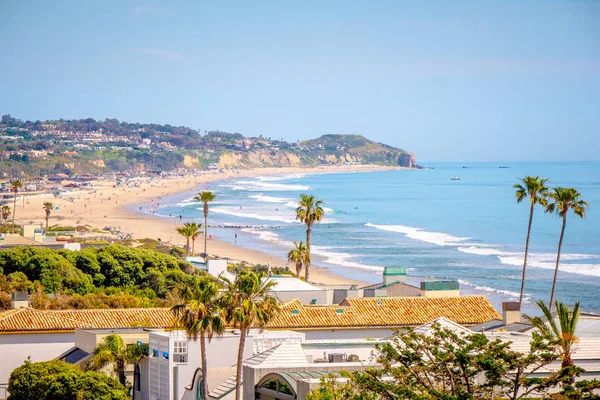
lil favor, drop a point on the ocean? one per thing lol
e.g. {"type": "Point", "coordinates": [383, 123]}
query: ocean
{"type": "Point", "coordinates": [471, 230]}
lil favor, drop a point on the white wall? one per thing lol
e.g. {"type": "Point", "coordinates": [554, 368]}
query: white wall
{"type": "Point", "coordinates": [14, 349]}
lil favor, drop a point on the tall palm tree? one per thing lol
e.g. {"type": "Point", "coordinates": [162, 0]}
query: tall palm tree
{"type": "Point", "coordinates": [563, 334]}
{"type": "Point", "coordinates": [200, 314]}
{"type": "Point", "coordinates": [299, 255]}
{"type": "Point", "coordinates": [15, 185]}
{"type": "Point", "coordinates": [309, 211]}
{"type": "Point", "coordinates": [48, 206]}
{"type": "Point", "coordinates": [249, 303]}
{"type": "Point", "coordinates": [186, 233]}
{"type": "Point", "coordinates": [535, 188]}
{"type": "Point", "coordinates": [205, 197]}
{"type": "Point", "coordinates": [112, 350]}
{"type": "Point", "coordinates": [5, 213]}
{"type": "Point", "coordinates": [561, 200]}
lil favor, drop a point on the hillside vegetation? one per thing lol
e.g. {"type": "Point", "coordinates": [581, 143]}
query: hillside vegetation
{"type": "Point", "coordinates": [96, 147]}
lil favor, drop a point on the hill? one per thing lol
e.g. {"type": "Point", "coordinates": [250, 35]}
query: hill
{"type": "Point", "coordinates": [89, 146]}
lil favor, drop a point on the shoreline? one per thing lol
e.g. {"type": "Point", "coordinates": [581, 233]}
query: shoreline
{"type": "Point", "coordinates": [109, 206]}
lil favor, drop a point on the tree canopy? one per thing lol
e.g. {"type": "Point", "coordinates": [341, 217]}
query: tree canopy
{"type": "Point", "coordinates": [58, 380]}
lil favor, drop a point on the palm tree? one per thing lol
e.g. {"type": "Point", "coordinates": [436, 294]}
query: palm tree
{"type": "Point", "coordinates": [194, 231]}
{"type": "Point", "coordinates": [205, 197]}
{"type": "Point", "coordinates": [249, 303]}
{"type": "Point", "coordinates": [48, 206]}
{"type": "Point", "coordinates": [299, 255]}
{"type": "Point", "coordinates": [5, 213]}
{"type": "Point", "coordinates": [186, 233]}
{"type": "Point", "coordinates": [309, 211]}
{"type": "Point", "coordinates": [112, 350]}
{"type": "Point", "coordinates": [534, 188]}
{"type": "Point", "coordinates": [561, 200]}
{"type": "Point", "coordinates": [200, 314]}
{"type": "Point", "coordinates": [15, 185]}
{"type": "Point", "coordinates": [563, 335]}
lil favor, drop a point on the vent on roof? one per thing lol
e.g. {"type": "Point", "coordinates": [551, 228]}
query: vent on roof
{"type": "Point", "coordinates": [295, 312]}
{"type": "Point", "coordinates": [339, 311]}
{"type": "Point", "coordinates": [379, 302]}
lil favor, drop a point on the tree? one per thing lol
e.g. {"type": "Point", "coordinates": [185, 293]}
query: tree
{"type": "Point", "coordinates": [563, 335]}
{"type": "Point", "coordinates": [309, 211]}
{"type": "Point", "coordinates": [534, 188]}
{"type": "Point", "coordinates": [200, 314]}
{"type": "Point", "coordinates": [113, 351]}
{"type": "Point", "coordinates": [248, 302]}
{"type": "Point", "coordinates": [187, 234]}
{"type": "Point", "coordinates": [15, 185]}
{"type": "Point", "coordinates": [58, 380]}
{"type": "Point", "coordinates": [5, 213]}
{"type": "Point", "coordinates": [561, 200]}
{"type": "Point", "coordinates": [205, 197]}
{"type": "Point", "coordinates": [445, 364]}
{"type": "Point", "coordinates": [299, 255]}
{"type": "Point", "coordinates": [48, 206]}
{"type": "Point", "coordinates": [194, 230]}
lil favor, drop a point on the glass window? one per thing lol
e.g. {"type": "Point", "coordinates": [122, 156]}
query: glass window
{"type": "Point", "coordinates": [270, 384]}
{"type": "Point", "coordinates": [180, 347]}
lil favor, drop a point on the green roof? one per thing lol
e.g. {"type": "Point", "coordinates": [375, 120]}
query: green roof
{"type": "Point", "coordinates": [439, 285]}
{"type": "Point", "coordinates": [394, 271]}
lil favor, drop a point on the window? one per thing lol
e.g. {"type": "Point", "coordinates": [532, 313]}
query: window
{"type": "Point", "coordinates": [137, 376]}
{"type": "Point", "coordinates": [180, 347]}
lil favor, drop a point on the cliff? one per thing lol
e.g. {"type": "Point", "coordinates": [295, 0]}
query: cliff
{"type": "Point", "coordinates": [326, 150]}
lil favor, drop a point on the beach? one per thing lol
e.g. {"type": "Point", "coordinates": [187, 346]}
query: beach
{"type": "Point", "coordinates": [106, 205]}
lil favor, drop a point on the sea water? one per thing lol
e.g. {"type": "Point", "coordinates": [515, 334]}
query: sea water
{"type": "Point", "coordinates": [471, 230]}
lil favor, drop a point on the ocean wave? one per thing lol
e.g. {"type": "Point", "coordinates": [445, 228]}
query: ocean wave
{"type": "Point", "coordinates": [268, 236]}
{"type": "Point", "coordinates": [540, 260]}
{"type": "Point", "coordinates": [280, 177]}
{"type": "Point", "coordinates": [511, 295]}
{"type": "Point", "coordinates": [244, 214]}
{"type": "Point", "coordinates": [438, 238]}
{"type": "Point", "coordinates": [270, 199]}
{"type": "Point", "coordinates": [258, 186]}
{"type": "Point", "coordinates": [341, 259]}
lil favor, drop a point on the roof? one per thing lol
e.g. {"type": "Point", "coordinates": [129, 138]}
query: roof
{"type": "Point", "coordinates": [583, 349]}
{"type": "Point", "coordinates": [285, 354]}
{"type": "Point", "coordinates": [384, 312]}
{"type": "Point", "coordinates": [74, 355]}
{"type": "Point", "coordinates": [394, 271]}
{"type": "Point", "coordinates": [498, 325]}
{"type": "Point", "coordinates": [27, 319]}
{"type": "Point", "coordinates": [444, 323]}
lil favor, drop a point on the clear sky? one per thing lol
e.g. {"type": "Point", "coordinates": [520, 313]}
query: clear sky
{"type": "Point", "coordinates": [447, 80]}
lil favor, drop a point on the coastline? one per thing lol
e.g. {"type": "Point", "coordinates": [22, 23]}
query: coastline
{"type": "Point", "coordinates": [121, 208]}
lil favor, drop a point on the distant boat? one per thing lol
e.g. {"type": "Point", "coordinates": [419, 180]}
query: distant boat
{"type": "Point", "coordinates": [456, 178]}
{"type": "Point", "coordinates": [465, 167]}
{"type": "Point", "coordinates": [503, 167]}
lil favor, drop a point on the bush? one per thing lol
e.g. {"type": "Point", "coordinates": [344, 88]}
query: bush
{"type": "Point", "coordinates": [86, 271]}
{"type": "Point", "coordinates": [58, 380]}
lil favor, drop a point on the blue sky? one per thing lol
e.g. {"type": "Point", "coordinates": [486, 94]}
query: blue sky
{"type": "Point", "coordinates": [447, 80]}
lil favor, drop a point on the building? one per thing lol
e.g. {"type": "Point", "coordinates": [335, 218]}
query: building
{"type": "Point", "coordinates": [44, 335]}
{"type": "Point", "coordinates": [378, 317]}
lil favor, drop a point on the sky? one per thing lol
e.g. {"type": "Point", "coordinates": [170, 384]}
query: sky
{"type": "Point", "coordinates": [447, 80]}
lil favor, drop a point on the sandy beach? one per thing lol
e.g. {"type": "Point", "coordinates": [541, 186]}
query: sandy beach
{"type": "Point", "coordinates": [107, 205]}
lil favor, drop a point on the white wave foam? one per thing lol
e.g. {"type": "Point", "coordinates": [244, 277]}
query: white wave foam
{"type": "Point", "coordinates": [240, 213]}
{"type": "Point", "coordinates": [270, 199]}
{"type": "Point", "coordinates": [268, 236]}
{"type": "Point", "coordinates": [258, 186]}
{"type": "Point", "coordinates": [280, 177]}
{"type": "Point", "coordinates": [341, 259]}
{"type": "Point", "coordinates": [438, 238]}
{"type": "Point", "coordinates": [540, 260]}
{"type": "Point", "coordinates": [512, 295]}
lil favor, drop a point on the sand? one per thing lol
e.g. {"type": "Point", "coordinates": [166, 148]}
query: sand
{"type": "Point", "coordinates": [107, 205]}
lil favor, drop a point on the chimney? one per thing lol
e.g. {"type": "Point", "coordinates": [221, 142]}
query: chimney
{"type": "Point", "coordinates": [511, 312]}
{"type": "Point", "coordinates": [20, 299]}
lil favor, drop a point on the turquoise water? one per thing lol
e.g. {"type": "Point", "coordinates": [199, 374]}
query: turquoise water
{"type": "Point", "coordinates": [470, 230]}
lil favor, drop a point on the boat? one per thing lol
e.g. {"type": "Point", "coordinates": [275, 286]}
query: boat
{"type": "Point", "coordinates": [456, 178]}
